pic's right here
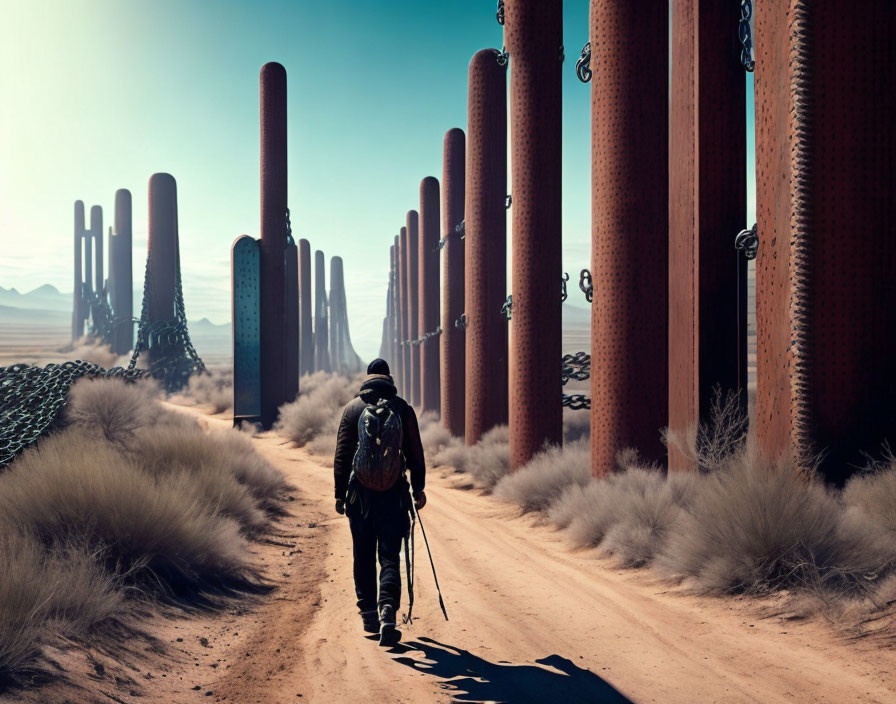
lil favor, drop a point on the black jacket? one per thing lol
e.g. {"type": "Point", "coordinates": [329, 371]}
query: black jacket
{"type": "Point", "coordinates": [375, 387]}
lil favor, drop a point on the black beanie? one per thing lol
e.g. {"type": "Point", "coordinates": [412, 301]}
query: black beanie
{"type": "Point", "coordinates": [378, 366]}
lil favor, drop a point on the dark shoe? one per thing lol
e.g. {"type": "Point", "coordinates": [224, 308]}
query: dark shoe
{"type": "Point", "coordinates": [371, 621]}
{"type": "Point", "coordinates": [389, 635]}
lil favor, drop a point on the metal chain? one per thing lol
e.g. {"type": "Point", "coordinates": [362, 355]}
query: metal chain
{"type": "Point", "coordinates": [424, 337]}
{"type": "Point", "coordinates": [576, 402]}
{"type": "Point", "coordinates": [461, 322]}
{"type": "Point", "coordinates": [508, 201]}
{"type": "Point", "coordinates": [503, 56]}
{"type": "Point", "coordinates": [746, 36]}
{"type": "Point", "coordinates": [507, 308]}
{"type": "Point", "coordinates": [586, 284]}
{"type": "Point", "coordinates": [459, 229]}
{"type": "Point", "coordinates": [499, 15]}
{"type": "Point", "coordinates": [583, 65]}
{"type": "Point", "coordinates": [31, 399]}
{"type": "Point", "coordinates": [563, 292]}
{"type": "Point", "coordinates": [575, 366]}
{"type": "Point", "coordinates": [747, 242]}
{"type": "Point", "coordinates": [289, 239]}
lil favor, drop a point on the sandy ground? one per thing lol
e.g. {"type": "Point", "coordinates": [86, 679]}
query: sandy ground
{"type": "Point", "coordinates": [531, 621]}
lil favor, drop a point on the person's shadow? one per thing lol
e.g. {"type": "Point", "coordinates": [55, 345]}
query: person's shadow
{"type": "Point", "coordinates": [472, 679]}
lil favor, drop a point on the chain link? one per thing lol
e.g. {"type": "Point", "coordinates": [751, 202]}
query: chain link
{"type": "Point", "coordinates": [746, 36]}
{"type": "Point", "coordinates": [583, 65]}
{"type": "Point", "coordinates": [503, 56]}
{"type": "Point", "coordinates": [586, 284]}
{"type": "Point", "coordinates": [31, 399]}
{"type": "Point", "coordinates": [507, 308]}
{"type": "Point", "coordinates": [575, 366]}
{"type": "Point", "coordinates": [576, 402]}
{"type": "Point", "coordinates": [508, 201]}
{"type": "Point", "coordinates": [564, 294]}
{"type": "Point", "coordinates": [461, 322]}
{"type": "Point", "coordinates": [747, 242]}
{"type": "Point", "coordinates": [424, 337]}
{"type": "Point", "coordinates": [499, 15]}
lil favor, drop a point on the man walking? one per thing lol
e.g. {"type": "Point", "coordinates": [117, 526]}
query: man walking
{"type": "Point", "coordinates": [378, 440]}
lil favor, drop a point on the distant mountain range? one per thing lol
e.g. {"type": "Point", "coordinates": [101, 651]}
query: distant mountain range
{"type": "Point", "coordinates": [44, 297]}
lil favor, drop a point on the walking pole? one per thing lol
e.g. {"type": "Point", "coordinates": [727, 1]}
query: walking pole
{"type": "Point", "coordinates": [432, 564]}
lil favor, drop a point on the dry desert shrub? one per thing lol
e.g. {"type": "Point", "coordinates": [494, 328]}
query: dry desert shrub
{"type": "Point", "coordinates": [161, 533]}
{"type": "Point", "coordinates": [213, 389]}
{"type": "Point", "coordinates": [874, 494]}
{"type": "Point", "coordinates": [318, 408]}
{"type": "Point", "coordinates": [486, 461]}
{"type": "Point", "coordinates": [112, 408]}
{"type": "Point", "coordinates": [64, 587]}
{"type": "Point", "coordinates": [542, 480]}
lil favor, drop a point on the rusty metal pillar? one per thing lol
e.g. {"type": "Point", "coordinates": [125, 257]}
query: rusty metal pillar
{"type": "Point", "coordinates": [428, 314]}
{"type": "Point", "coordinates": [534, 36]}
{"type": "Point", "coordinates": [395, 364]}
{"type": "Point", "coordinates": [335, 317]}
{"type": "Point", "coordinates": [405, 380]}
{"type": "Point", "coordinates": [392, 332]}
{"type": "Point", "coordinates": [825, 152]}
{"type": "Point", "coordinates": [413, 308]}
{"type": "Point", "coordinates": [273, 240]}
{"type": "Point", "coordinates": [306, 336]}
{"type": "Point", "coordinates": [121, 274]}
{"type": "Point", "coordinates": [163, 260]}
{"type": "Point", "coordinates": [629, 231]}
{"type": "Point", "coordinates": [291, 318]}
{"type": "Point", "coordinates": [452, 343]}
{"type": "Point", "coordinates": [707, 207]}
{"type": "Point", "coordinates": [321, 308]}
{"type": "Point", "coordinates": [78, 304]}
{"type": "Point", "coordinates": [96, 233]}
{"type": "Point", "coordinates": [485, 246]}
{"type": "Point", "coordinates": [88, 266]}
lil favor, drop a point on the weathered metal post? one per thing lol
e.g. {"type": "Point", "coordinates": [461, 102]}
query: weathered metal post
{"type": "Point", "coordinates": [306, 334]}
{"type": "Point", "coordinates": [629, 231]}
{"type": "Point", "coordinates": [413, 309]}
{"type": "Point", "coordinates": [825, 151]}
{"type": "Point", "coordinates": [273, 240]}
{"type": "Point", "coordinates": [397, 363]}
{"type": "Point", "coordinates": [291, 317]}
{"type": "Point", "coordinates": [403, 314]}
{"type": "Point", "coordinates": [88, 267]}
{"type": "Point", "coordinates": [391, 335]}
{"type": "Point", "coordinates": [335, 318]}
{"type": "Point", "coordinates": [534, 36]}
{"type": "Point", "coordinates": [321, 323]}
{"type": "Point", "coordinates": [428, 314]}
{"type": "Point", "coordinates": [122, 274]}
{"type": "Point", "coordinates": [245, 317]}
{"type": "Point", "coordinates": [96, 233]}
{"type": "Point", "coordinates": [452, 343]}
{"type": "Point", "coordinates": [707, 207]}
{"type": "Point", "coordinates": [485, 246]}
{"type": "Point", "coordinates": [163, 260]}
{"type": "Point", "coordinates": [78, 304]}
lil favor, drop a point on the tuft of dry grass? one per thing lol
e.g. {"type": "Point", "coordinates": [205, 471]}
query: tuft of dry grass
{"type": "Point", "coordinates": [486, 461]}
{"type": "Point", "coordinates": [111, 408]}
{"type": "Point", "coordinates": [213, 389]}
{"type": "Point", "coordinates": [542, 480]}
{"type": "Point", "coordinates": [318, 407]}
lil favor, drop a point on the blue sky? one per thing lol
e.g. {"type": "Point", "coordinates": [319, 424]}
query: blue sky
{"type": "Point", "coordinates": [100, 94]}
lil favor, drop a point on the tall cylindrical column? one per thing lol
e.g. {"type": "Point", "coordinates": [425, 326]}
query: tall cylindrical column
{"type": "Point", "coordinates": [452, 339]}
{"type": "Point", "coordinates": [291, 318]}
{"type": "Point", "coordinates": [428, 313]}
{"type": "Point", "coordinates": [629, 231]}
{"type": "Point", "coordinates": [88, 264]}
{"type": "Point", "coordinates": [534, 37]}
{"type": "Point", "coordinates": [163, 259]}
{"type": "Point", "coordinates": [78, 290]}
{"type": "Point", "coordinates": [395, 363]}
{"type": "Point", "coordinates": [306, 336]}
{"type": "Point", "coordinates": [321, 322]}
{"type": "Point", "coordinates": [707, 207]}
{"type": "Point", "coordinates": [825, 151]}
{"type": "Point", "coordinates": [96, 232]}
{"type": "Point", "coordinates": [335, 317]}
{"type": "Point", "coordinates": [403, 276]}
{"type": "Point", "coordinates": [485, 247]}
{"type": "Point", "coordinates": [413, 309]}
{"type": "Point", "coordinates": [273, 240]}
{"type": "Point", "coordinates": [122, 273]}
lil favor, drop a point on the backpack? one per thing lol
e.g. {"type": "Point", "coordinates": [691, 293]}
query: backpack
{"type": "Point", "coordinates": [378, 462]}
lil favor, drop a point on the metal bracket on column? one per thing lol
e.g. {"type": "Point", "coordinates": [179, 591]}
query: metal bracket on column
{"type": "Point", "coordinates": [747, 241]}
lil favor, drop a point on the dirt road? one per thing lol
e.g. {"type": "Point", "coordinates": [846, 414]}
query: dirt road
{"type": "Point", "coordinates": [530, 621]}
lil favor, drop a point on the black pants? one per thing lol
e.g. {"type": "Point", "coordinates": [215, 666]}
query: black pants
{"type": "Point", "coordinates": [379, 522]}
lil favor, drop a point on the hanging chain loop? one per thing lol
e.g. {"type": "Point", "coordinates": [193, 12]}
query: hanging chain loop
{"type": "Point", "coordinates": [583, 65]}
{"type": "Point", "coordinates": [461, 322]}
{"type": "Point", "coordinates": [507, 308]}
{"type": "Point", "coordinates": [586, 285]}
{"type": "Point", "coordinates": [747, 242]}
{"type": "Point", "coordinates": [746, 36]}
{"type": "Point", "coordinates": [564, 294]}
{"type": "Point", "coordinates": [499, 15]}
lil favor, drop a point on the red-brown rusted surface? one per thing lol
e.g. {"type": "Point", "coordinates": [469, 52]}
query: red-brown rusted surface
{"type": "Point", "coordinates": [164, 252]}
{"type": "Point", "coordinates": [825, 153]}
{"type": "Point", "coordinates": [291, 319]}
{"type": "Point", "coordinates": [629, 321]}
{"type": "Point", "coordinates": [395, 364]}
{"type": "Point", "coordinates": [405, 381]}
{"type": "Point", "coordinates": [428, 312]}
{"type": "Point", "coordinates": [452, 338]}
{"type": "Point", "coordinates": [534, 37]}
{"type": "Point", "coordinates": [121, 273]}
{"type": "Point", "coordinates": [485, 246]}
{"type": "Point", "coordinates": [273, 240]}
{"type": "Point", "coordinates": [306, 334]}
{"type": "Point", "coordinates": [413, 225]}
{"type": "Point", "coordinates": [707, 207]}
{"type": "Point", "coordinates": [78, 305]}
